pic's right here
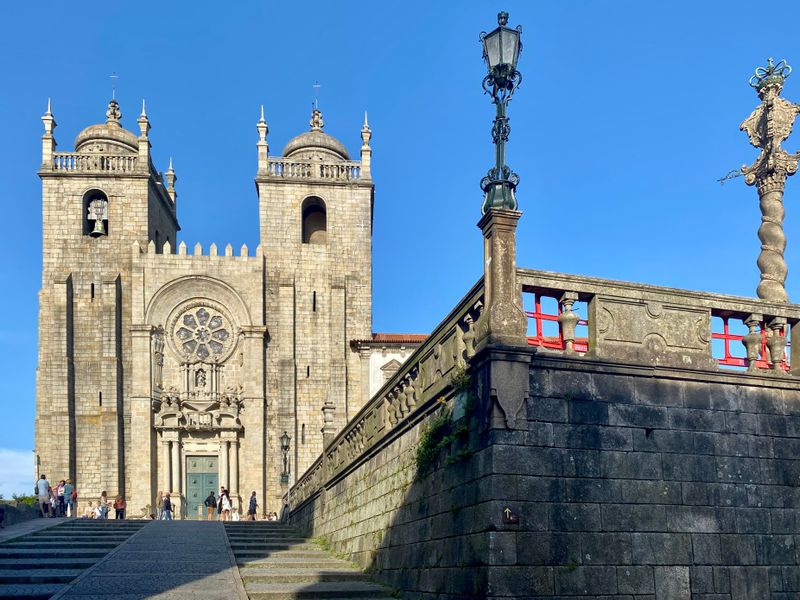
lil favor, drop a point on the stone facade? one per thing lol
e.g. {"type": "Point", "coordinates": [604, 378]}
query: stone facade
{"type": "Point", "coordinates": [153, 356]}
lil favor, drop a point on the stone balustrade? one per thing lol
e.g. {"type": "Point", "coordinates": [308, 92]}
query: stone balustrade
{"type": "Point", "coordinates": [408, 396]}
{"type": "Point", "coordinates": [309, 169]}
{"type": "Point", "coordinates": [625, 322]}
{"type": "Point", "coordinates": [645, 324]}
{"type": "Point", "coordinates": [94, 163]}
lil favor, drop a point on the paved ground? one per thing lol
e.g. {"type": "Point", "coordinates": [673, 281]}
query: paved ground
{"type": "Point", "coordinates": [19, 529]}
{"type": "Point", "coordinates": [165, 560]}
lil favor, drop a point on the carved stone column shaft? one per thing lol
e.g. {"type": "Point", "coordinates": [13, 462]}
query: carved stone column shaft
{"type": "Point", "coordinates": [175, 467]}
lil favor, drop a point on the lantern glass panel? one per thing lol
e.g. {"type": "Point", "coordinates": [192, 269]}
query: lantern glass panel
{"type": "Point", "coordinates": [491, 44]}
{"type": "Point", "coordinates": [509, 49]}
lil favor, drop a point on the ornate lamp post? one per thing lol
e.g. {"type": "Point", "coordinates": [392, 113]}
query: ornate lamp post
{"type": "Point", "coordinates": [501, 352]}
{"type": "Point", "coordinates": [768, 126]}
{"type": "Point", "coordinates": [285, 441]}
{"type": "Point", "coordinates": [501, 50]}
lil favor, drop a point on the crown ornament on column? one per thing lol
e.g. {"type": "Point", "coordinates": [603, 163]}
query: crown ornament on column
{"type": "Point", "coordinates": [768, 126]}
{"type": "Point", "coordinates": [771, 75]}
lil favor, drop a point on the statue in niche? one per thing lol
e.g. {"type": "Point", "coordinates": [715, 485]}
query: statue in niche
{"type": "Point", "coordinates": [200, 379]}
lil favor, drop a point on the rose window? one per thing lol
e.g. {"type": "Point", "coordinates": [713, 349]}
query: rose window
{"type": "Point", "coordinates": [202, 332]}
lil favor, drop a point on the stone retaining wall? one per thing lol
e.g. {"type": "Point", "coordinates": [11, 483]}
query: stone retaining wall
{"type": "Point", "coordinates": [17, 512]}
{"type": "Point", "coordinates": [629, 482]}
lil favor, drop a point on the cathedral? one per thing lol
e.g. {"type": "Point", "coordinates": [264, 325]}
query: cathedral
{"type": "Point", "coordinates": [164, 368]}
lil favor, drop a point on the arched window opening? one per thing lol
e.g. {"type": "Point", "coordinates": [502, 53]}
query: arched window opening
{"type": "Point", "coordinates": [315, 221]}
{"type": "Point", "coordinates": [95, 213]}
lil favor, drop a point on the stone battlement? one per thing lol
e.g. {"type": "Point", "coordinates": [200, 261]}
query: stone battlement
{"type": "Point", "coordinates": [197, 251]}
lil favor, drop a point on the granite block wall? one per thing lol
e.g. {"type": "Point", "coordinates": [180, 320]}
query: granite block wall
{"type": "Point", "coordinates": [628, 483]}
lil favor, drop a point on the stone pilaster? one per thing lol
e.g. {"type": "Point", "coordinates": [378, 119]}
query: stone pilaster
{"type": "Point", "coordinates": [502, 320]}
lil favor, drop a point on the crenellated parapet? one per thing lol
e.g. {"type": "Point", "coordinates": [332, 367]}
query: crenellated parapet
{"type": "Point", "coordinates": [182, 252]}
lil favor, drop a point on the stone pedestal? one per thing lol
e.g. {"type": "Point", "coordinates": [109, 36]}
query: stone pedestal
{"type": "Point", "coordinates": [502, 321]}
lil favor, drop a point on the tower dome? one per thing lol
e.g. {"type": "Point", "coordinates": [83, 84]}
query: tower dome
{"type": "Point", "coordinates": [315, 143]}
{"type": "Point", "coordinates": [109, 135]}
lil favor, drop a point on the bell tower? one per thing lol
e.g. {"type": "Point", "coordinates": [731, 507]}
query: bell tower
{"type": "Point", "coordinates": [98, 203]}
{"type": "Point", "coordinates": [315, 210]}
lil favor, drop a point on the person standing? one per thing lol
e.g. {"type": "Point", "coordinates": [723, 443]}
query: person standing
{"type": "Point", "coordinates": [42, 491]}
{"type": "Point", "coordinates": [251, 509]}
{"type": "Point", "coordinates": [61, 511]}
{"type": "Point", "coordinates": [226, 506]}
{"type": "Point", "coordinates": [104, 505]}
{"type": "Point", "coordinates": [119, 507]}
{"type": "Point", "coordinates": [160, 505]}
{"type": "Point", "coordinates": [69, 501]}
{"type": "Point", "coordinates": [211, 505]}
{"type": "Point", "coordinates": [167, 513]}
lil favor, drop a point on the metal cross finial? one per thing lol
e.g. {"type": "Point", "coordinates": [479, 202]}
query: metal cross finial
{"type": "Point", "coordinates": [113, 77]}
{"type": "Point", "coordinates": [316, 87]}
{"type": "Point", "coordinates": [767, 127]}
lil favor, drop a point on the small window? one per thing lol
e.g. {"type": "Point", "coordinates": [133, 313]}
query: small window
{"type": "Point", "coordinates": [315, 221]}
{"type": "Point", "coordinates": [95, 213]}
{"type": "Point", "coordinates": [314, 302]}
{"type": "Point", "coordinates": [303, 434]}
{"type": "Point", "coordinates": [91, 293]}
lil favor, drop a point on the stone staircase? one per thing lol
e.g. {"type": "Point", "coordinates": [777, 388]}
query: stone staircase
{"type": "Point", "coordinates": [40, 564]}
{"type": "Point", "coordinates": [276, 563]}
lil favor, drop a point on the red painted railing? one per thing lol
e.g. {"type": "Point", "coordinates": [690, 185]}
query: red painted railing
{"type": "Point", "coordinates": [554, 342]}
{"type": "Point", "coordinates": [728, 359]}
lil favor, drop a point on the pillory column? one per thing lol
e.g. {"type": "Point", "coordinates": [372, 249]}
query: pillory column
{"type": "Point", "coordinates": [768, 126]}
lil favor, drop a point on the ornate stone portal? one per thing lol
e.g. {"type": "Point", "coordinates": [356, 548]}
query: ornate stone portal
{"type": "Point", "coordinates": [199, 417]}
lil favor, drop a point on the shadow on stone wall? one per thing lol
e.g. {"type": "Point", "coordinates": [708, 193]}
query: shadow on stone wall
{"type": "Point", "coordinates": [664, 483]}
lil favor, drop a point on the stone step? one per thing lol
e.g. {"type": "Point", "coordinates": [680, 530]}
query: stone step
{"type": "Point", "coordinates": [272, 547]}
{"type": "Point", "coordinates": [35, 563]}
{"type": "Point", "coordinates": [51, 552]}
{"type": "Point", "coordinates": [269, 539]}
{"type": "Point", "coordinates": [246, 554]}
{"type": "Point", "coordinates": [38, 591]}
{"type": "Point", "coordinates": [68, 539]}
{"type": "Point", "coordinates": [276, 562]}
{"type": "Point", "coordinates": [300, 575]}
{"type": "Point", "coordinates": [61, 543]}
{"type": "Point", "coordinates": [332, 589]}
{"type": "Point", "coordinates": [38, 575]}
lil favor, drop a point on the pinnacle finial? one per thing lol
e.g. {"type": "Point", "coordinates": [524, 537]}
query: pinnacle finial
{"type": "Point", "coordinates": [502, 18]}
{"type": "Point", "coordinates": [771, 75]}
{"type": "Point", "coordinates": [48, 108]}
{"type": "Point", "coordinates": [366, 122]}
{"type": "Point", "coordinates": [169, 168]}
{"type": "Point", "coordinates": [262, 113]}
{"type": "Point", "coordinates": [144, 111]}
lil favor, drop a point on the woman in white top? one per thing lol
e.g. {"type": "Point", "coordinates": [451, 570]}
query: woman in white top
{"type": "Point", "coordinates": [226, 506]}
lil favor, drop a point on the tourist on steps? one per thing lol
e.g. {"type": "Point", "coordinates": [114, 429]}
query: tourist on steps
{"type": "Point", "coordinates": [70, 496]}
{"type": "Point", "coordinates": [167, 512]}
{"type": "Point", "coordinates": [211, 505]}
{"type": "Point", "coordinates": [61, 510]}
{"type": "Point", "coordinates": [251, 510]}
{"type": "Point", "coordinates": [42, 491]}
{"type": "Point", "coordinates": [226, 506]}
{"type": "Point", "coordinates": [104, 505]}
{"type": "Point", "coordinates": [119, 507]}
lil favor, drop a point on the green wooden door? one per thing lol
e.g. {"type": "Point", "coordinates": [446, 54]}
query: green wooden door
{"type": "Point", "coordinates": [201, 479]}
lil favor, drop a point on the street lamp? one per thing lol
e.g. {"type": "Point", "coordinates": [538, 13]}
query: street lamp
{"type": "Point", "coordinates": [501, 50]}
{"type": "Point", "coordinates": [285, 439]}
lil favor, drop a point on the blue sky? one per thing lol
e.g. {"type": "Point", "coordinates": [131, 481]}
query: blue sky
{"type": "Point", "coordinates": [627, 116]}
